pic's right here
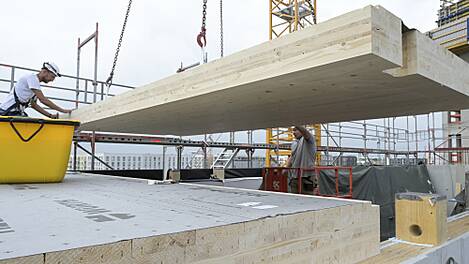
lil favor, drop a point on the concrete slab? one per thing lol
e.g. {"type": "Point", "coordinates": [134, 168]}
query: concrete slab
{"type": "Point", "coordinates": [356, 66]}
{"type": "Point", "coordinates": [91, 219]}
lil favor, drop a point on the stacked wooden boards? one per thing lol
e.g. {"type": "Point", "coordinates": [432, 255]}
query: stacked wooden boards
{"type": "Point", "coordinates": [102, 219]}
{"type": "Point", "coordinates": [360, 65]}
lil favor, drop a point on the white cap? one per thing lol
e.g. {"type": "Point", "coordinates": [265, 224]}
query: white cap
{"type": "Point", "coordinates": [52, 67]}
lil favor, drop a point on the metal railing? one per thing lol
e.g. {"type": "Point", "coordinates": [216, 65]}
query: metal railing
{"type": "Point", "coordinates": [409, 139]}
{"type": "Point", "coordinates": [81, 91]}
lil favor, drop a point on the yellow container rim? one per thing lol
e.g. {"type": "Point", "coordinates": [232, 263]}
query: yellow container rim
{"type": "Point", "coordinates": [20, 119]}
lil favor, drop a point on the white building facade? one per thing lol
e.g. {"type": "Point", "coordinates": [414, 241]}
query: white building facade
{"type": "Point", "coordinates": [121, 161]}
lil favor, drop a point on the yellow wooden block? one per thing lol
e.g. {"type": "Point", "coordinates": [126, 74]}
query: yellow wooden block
{"type": "Point", "coordinates": [421, 218]}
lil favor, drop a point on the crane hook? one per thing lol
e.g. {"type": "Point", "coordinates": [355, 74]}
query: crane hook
{"type": "Point", "coordinates": [201, 38]}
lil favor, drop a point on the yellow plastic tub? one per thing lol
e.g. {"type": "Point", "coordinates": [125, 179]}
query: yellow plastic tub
{"type": "Point", "coordinates": [34, 150]}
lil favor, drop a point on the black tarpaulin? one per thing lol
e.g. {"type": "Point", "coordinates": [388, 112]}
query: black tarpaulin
{"type": "Point", "coordinates": [379, 184]}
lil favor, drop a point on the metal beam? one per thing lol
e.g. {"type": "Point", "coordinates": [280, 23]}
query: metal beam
{"type": "Point", "coordinates": [173, 141]}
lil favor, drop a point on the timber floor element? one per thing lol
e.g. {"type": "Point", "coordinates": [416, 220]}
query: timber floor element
{"type": "Point", "coordinates": [361, 65]}
{"type": "Point", "coordinates": [103, 219]}
{"type": "Point", "coordinates": [400, 252]}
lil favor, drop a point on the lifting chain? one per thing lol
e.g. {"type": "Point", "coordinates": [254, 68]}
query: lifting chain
{"type": "Point", "coordinates": [201, 38]}
{"type": "Point", "coordinates": [221, 28]}
{"type": "Point", "coordinates": [111, 75]}
{"type": "Point", "coordinates": [204, 13]}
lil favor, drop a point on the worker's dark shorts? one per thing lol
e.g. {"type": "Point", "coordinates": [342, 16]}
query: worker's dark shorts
{"type": "Point", "coordinates": [11, 113]}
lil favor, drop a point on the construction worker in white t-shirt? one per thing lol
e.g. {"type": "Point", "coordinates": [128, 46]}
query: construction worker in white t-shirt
{"type": "Point", "coordinates": [28, 90]}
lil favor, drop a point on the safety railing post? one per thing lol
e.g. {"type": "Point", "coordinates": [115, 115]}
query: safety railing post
{"type": "Point", "coordinates": [467, 190]}
{"type": "Point", "coordinates": [299, 173]}
{"type": "Point", "coordinates": [336, 170]}
{"type": "Point", "coordinates": [93, 149]}
{"type": "Point", "coordinates": [77, 96]}
{"type": "Point", "coordinates": [351, 182]}
{"type": "Point", "coordinates": [75, 152]}
{"type": "Point", "coordinates": [102, 91]}
{"type": "Point", "coordinates": [179, 149]}
{"type": "Point", "coordinates": [12, 78]}
{"type": "Point", "coordinates": [86, 91]}
{"type": "Point", "coordinates": [95, 80]}
{"type": "Point", "coordinates": [264, 178]}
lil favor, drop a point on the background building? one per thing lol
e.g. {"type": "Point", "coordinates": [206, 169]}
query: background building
{"type": "Point", "coordinates": [128, 161]}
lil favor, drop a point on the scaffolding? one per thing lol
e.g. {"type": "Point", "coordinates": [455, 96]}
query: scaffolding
{"type": "Point", "coordinates": [453, 31]}
{"type": "Point", "coordinates": [453, 34]}
{"type": "Point", "coordinates": [452, 10]}
{"type": "Point", "coordinates": [286, 16]}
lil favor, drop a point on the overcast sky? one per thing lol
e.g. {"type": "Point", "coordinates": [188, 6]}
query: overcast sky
{"type": "Point", "coordinates": [159, 35]}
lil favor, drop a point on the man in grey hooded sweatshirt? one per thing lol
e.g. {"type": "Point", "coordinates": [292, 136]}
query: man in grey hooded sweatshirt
{"type": "Point", "coordinates": [303, 155]}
